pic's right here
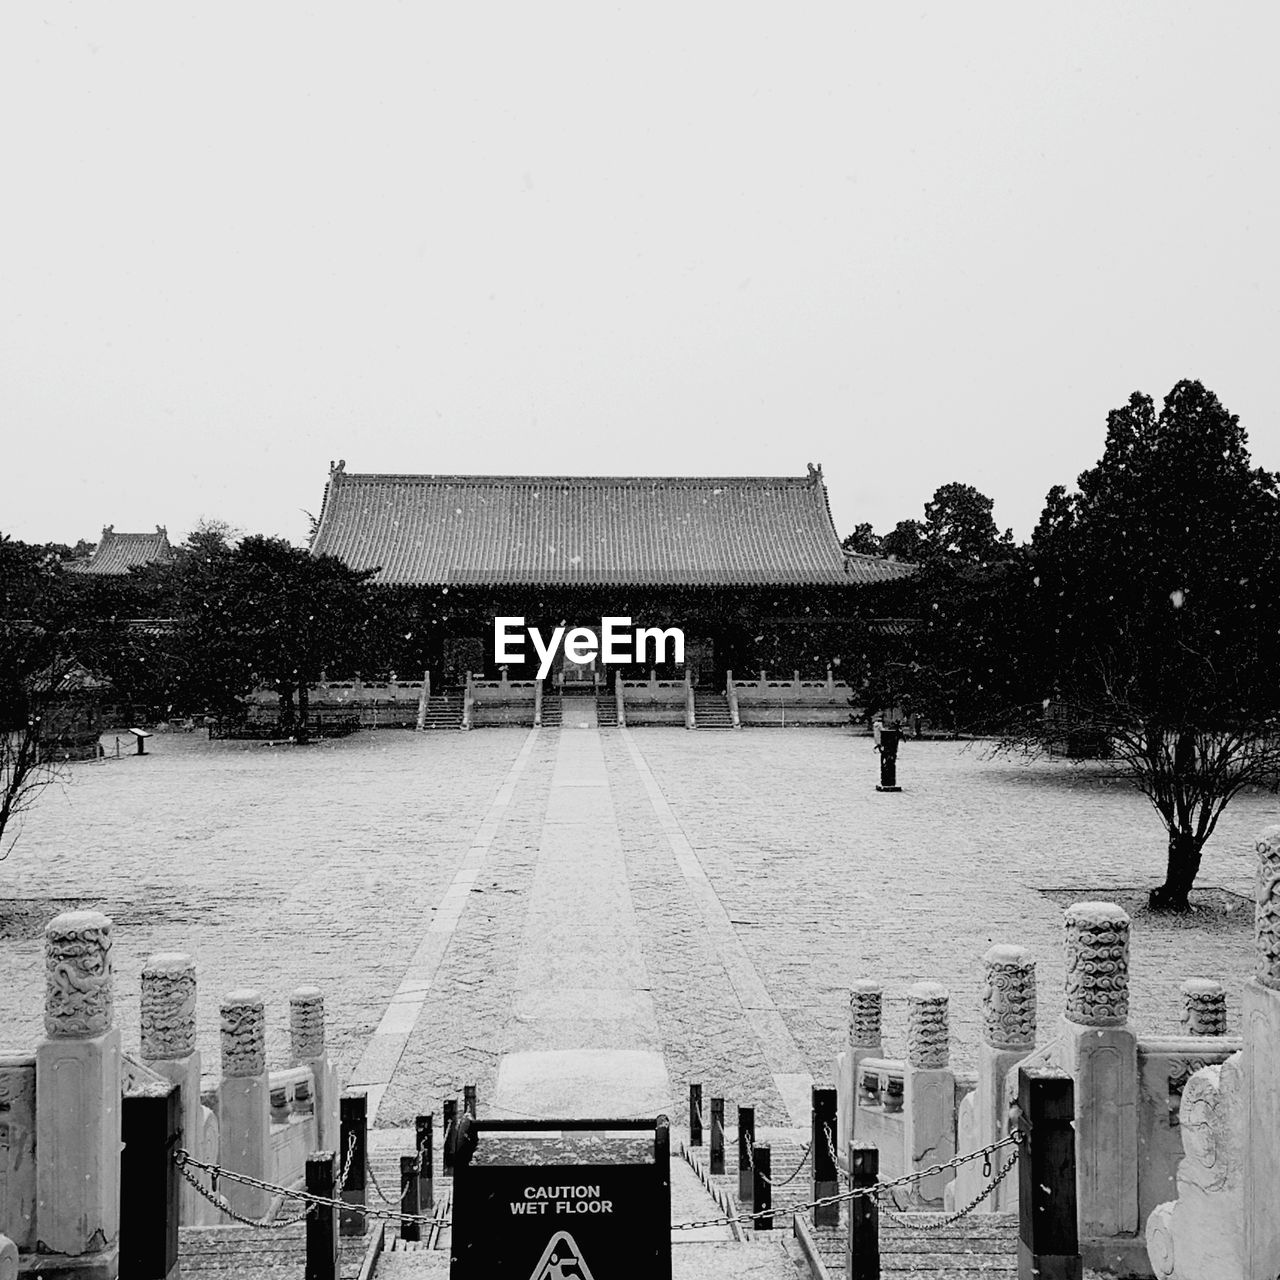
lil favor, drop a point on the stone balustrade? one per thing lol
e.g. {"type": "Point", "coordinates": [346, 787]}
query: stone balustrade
{"type": "Point", "coordinates": [906, 1106]}
{"type": "Point", "coordinates": [61, 1107]}
{"type": "Point", "coordinates": [1191, 1114]}
{"type": "Point", "coordinates": [1222, 1223]}
{"type": "Point", "coordinates": [765, 701]}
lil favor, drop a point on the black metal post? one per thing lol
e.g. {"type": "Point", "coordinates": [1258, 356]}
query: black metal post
{"type": "Point", "coordinates": [823, 1146]}
{"type": "Point", "coordinates": [862, 1250]}
{"type": "Point", "coordinates": [1048, 1238]}
{"type": "Point", "coordinates": [449, 1139]}
{"type": "Point", "coordinates": [717, 1135]}
{"type": "Point", "coordinates": [695, 1115]}
{"type": "Point", "coordinates": [890, 736]}
{"type": "Point", "coordinates": [761, 1189]}
{"type": "Point", "coordinates": [662, 1162]}
{"type": "Point", "coordinates": [322, 1221]}
{"type": "Point", "coordinates": [424, 1138]}
{"type": "Point", "coordinates": [409, 1197]}
{"type": "Point", "coordinates": [746, 1140]}
{"type": "Point", "coordinates": [353, 1117]}
{"type": "Point", "coordinates": [149, 1128]}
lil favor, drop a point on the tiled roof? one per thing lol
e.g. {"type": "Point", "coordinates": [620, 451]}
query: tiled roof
{"type": "Point", "coordinates": [589, 531]}
{"type": "Point", "coordinates": [117, 553]}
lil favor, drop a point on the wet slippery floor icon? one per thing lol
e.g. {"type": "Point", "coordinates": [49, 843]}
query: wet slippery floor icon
{"type": "Point", "coordinates": [561, 1260]}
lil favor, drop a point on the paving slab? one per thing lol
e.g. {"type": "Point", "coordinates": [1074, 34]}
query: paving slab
{"type": "Point", "coordinates": [583, 1083]}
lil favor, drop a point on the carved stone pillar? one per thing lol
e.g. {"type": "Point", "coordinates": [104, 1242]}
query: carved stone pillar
{"type": "Point", "coordinates": [1261, 1054]}
{"type": "Point", "coordinates": [1101, 1052]}
{"type": "Point", "coordinates": [929, 1089]}
{"type": "Point", "coordinates": [244, 1100]}
{"type": "Point", "coordinates": [1008, 1036]}
{"type": "Point", "coordinates": [865, 1041]}
{"type": "Point", "coordinates": [1204, 1007]}
{"type": "Point", "coordinates": [168, 1024]}
{"type": "Point", "coordinates": [306, 1034]}
{"type": "Point", "coordinates": [78, 1100]}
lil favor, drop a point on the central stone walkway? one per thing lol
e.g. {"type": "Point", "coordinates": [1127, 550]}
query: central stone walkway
{"type": "Point", "coordinates": [583, 1038]}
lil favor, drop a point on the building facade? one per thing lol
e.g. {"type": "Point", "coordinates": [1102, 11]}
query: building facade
{"type": "Point", "coordinates": [749, 568]}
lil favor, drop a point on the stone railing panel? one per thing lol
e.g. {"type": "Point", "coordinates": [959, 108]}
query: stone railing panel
{"type": "Point", "coordinates": [18, 1148]}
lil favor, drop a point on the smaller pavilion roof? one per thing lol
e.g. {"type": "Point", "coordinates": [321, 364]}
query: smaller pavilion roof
{"type": "Point", "coordinates": [117, 553]}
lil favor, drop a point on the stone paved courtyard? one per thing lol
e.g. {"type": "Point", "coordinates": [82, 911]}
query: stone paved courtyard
{"type": "Point", "coordinates": [278, 866]}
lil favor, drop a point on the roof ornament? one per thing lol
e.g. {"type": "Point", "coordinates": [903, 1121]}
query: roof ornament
{"type": "Point", "coordinates": [337, 470]}
{"type": "Point", "coordinates": [108, 529]}
{"type": "Point", "coordinates": [815, 473]}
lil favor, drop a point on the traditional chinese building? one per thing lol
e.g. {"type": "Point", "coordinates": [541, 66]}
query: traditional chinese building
{"type": "Point", "coordinates": [117, 553]}
{"type": "Point", "coordinates": [750, 568]}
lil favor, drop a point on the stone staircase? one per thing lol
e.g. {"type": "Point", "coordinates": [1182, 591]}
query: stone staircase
{"type": "Point", "coordinates": [711, 711]}
{"type": "Point", "coordinates": [983, 1244]}
{"type": "Point", "coordinates": [606, 710]}
{"type": "Point", "coordinates": [444, 711]}
{"type": "Point", "coordinates": [552, 711]}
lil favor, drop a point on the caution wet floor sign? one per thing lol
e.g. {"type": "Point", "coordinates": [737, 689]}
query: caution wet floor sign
{"type": "Point", "coordinates": [533, 1208]}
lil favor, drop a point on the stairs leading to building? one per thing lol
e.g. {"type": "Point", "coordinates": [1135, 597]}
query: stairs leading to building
{"type": "Point", "coordinates": [607, 710]}
{"type": "Point", "coordinates": [552, 711]}
{"type": "Point", "coordinates": [983, 1244]}
{"type": "Point", "coordinates": [444, 711]}
{"type": "Point", "coordinates": [711, 711]}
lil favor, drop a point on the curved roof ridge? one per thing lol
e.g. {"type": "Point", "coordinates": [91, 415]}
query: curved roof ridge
{"type": "Point", "coordinates": [347, 477]}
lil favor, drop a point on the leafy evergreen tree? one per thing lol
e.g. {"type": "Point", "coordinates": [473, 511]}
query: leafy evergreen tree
{"type": "Point", "coordinates": [1157, 614]}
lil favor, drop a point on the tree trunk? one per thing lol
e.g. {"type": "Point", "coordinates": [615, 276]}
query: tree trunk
{"type": "Point", "coordinates": [1180, 874]}
{"type": "Point", "coordinates": [304, 706]}
{"type": "Point", "coordinates": [285, 716]}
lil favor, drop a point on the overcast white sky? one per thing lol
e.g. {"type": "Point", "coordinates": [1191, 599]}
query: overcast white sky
{"type": "Point", "coordinates": [916, 243]}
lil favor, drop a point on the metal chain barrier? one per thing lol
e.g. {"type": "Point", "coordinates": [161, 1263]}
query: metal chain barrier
{"type": "Point", "coordinates": [373, 1177]}
{"type": "Point", "coordinates": [768, 1181]}
{"type": "Point", "coordinates": [854, 1193]}
{"type": "Point", "coordinates": [960, 1213]}
{"type": "Point", "coordinates": [183, 1159]}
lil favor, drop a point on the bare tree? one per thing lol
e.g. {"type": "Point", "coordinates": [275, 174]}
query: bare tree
{"type": "Point", "coordinates": [26, 769]}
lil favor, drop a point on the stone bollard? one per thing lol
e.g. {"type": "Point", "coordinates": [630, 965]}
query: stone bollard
{"type": "Point", "coordinates": [929, 1090]}
{"type": "Point", "coordinates": [1100, 1051]}
{"type": "Point", "coordinates": [244, 1101]}
{"type": "Point", "coordinates": [1008, 1036]}
{"type": "Point", "coordinates": [307, 1048]}
{"type": "Point", "coordinates": [865, 1041]}
{"type": "Point", "coordinates": [1261, 1053]}
{"type": "Point", "coordinates": [78, 1086]}
{"type": "Point", "coordinates": [1204, 1007]}
{"type": "Point", "coordinates": [168, 1024]}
